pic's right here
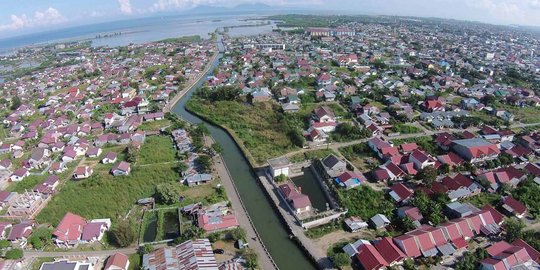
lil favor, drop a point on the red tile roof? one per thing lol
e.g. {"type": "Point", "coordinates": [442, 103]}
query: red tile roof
{"type": "Point", "coordinates": [389, 251]}
{"type": "Point", "coordinates": [370, 258]}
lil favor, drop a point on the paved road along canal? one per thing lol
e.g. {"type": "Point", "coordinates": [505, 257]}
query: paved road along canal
{"type": "Point", "coordinates": [284, 251]}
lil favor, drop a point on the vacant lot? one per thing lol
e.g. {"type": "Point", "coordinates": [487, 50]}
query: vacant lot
{"type": "Point", "coordinates": [156, 149]}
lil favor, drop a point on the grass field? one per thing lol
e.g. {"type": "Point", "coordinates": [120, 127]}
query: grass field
{"type": "Point", "coordinates": [360, 156]}
{"type": "Point", "coordinates": [156, 149]}
{"type": "Point", "coordinates": [259, 127]}
{"type": "Point", "coordinates": [154, 125]}
{"type": "Point", "coordinates": [105, 196]}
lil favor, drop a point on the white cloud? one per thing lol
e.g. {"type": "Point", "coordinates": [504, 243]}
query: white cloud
{"type": "Point", "coordinates": [534, 4]}
{"type": "Point", "coordinates": [125, 6]}
{"type": "Point", "coordinates": [47, 17]}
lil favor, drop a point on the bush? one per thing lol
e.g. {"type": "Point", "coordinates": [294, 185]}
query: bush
{"type": "Point", "coordinates": [167, 193]}
{"type": "Point", "coordinates": [341, 259]}
{"type": "Point", "coordinates": [238, 234]}
{"type": "Point", "coordinates": [14, 254]}
{"type": "Point", "coordinates": [122, 234]}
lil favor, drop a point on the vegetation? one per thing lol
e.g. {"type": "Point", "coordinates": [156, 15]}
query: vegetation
{"type": "Point", "coordinates": [102, 195]}
{"type": "Point", "coordinates": [361, 156]}
{"type": "Point", "coordinates": [349, 132]}
{"type": "Point", "coordinates": [425, 142]}
{"type": "Point", "coordinates": [156, 149]}
{"type": "Point", "coordinates": [14, 254]}
{"type": "Point", "coordinates": [40, 237]}
{"type": "Point", "coordinates": [514, 229]}
{"type": "Point", "coordinates": [372, 202]}
{"type": "Point", "coordinates": [431, 208]}
{"type": "Point", "coordinates": [122, 234]}
{"type": "Point", "coordinates": [205, 163]}
{"type": "Point", "coordinates": [405, 129]}
{"type": "Point", "coordinates": [428, 175]}
{"type": "Point", "coordinates": [471, 260]}
{"type": "Point", "coordinates": [167, 193]}
{"type": "Point", "coordinates": [341, 259]}
{"type": "Point", "coordinates": [261, 128]}
{"type": "Point", "coordinates": [323, 230]}
{"type": "Point", "coordinates": [527, 193]}
{"type": "Point", "coordinates": [28, 183]}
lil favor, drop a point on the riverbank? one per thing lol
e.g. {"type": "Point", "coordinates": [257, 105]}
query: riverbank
{"type": "Point", "coordinates": [254, 240]}
{"type": "Point", "coordinates": [192, 83]}
{"type": "Point", "coordinates": [316, 254]}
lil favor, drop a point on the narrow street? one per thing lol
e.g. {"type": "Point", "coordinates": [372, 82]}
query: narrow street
{"type": "Point", "coordinates": [255, 242]}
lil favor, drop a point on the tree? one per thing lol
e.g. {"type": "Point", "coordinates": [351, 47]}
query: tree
{"type": "Point", "coordinates": [408, 264]}
{"type": "Point", "coordinates": [146, 249]}
{"type": "Point", "coordinates": [40, 237]}
{"type": "Point", "coordinates": [428, 175]}
{"type": "Point", "coordinates": [205, 163]}
{"type": "Point", "coordinates": [251, 259]}
{"type": "Point", "coordinates": [296, 137]}
{"type": "Point", "coordinates": [132, 154]}
{"type": "Point", "coordinates": [14, 254]}
{"type": "Point", "coordinates": [217, 148]}
{"type": "Point", "coordinates": [15, 103]}
{"type": "Point", "coordinates": [514, 228]}
{"type": "Point", "coordinates": [4, 244]}
{"type": "Point", "coordinates": [341, 259]}
{"type": "Point", "coordinates": [167, 193]}
{"type": "Point", "coordinates": [238, 234]}
{"type": "Point", "coordinates": [280, 178]}
{"type": "Point", "coordinates": [122, 234]}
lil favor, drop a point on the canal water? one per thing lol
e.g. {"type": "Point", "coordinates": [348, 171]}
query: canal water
{"type": "Point", "coordinates": [311, 187]}
{"type": "Point", "coordinates": [284, 251]}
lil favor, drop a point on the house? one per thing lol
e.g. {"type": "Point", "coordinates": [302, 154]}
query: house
{"type": "Point", "coordinates": [82, 172]}
{"type": "Point", "coordinates": [190, 255]}
{"type": "Point", "coordinates": [93, 152]}
{"type": "Point", "coordinates": [379, 221]}
{"type": "Point", "coordinates": [19, 233]}
{"type": "Point", "coordinates": [476, 149]}
{"type": "Point", "coordinates": [19, 175]}
{"type": "Point", "coordinates": [370, 258]}
{"type": "Point", "coordinates": [6, 198]}
{"type": "Point", "coordinates": [433, 104]}
{"type": "Point", "coordinates": [298, 201]}
{"type": "Point", "coordinates": [514, 206]}
{"type": "Point", "coordinates": [279, 166]}
{"type": "Point", "coordinates": [355, 224]}
{"type": "Point", "coordinates": [121, 168]}
{"type": "Point", "coordinates": [39, 157]}
{"type": "Point", "coordinates": [324, 114]}
{"type": "Point", "coordinates": [411, 212]}
{"type": "Point", "coordinates": [421, 160]}
{"type": "Point", "coordinates": [334, 166]}
{"type": "Point", "coordinates": [109, 158]}
{"type": "Point", "coordinates": [48, 186]}
{"type": "Point", "coordinates": [197, 179]}
{"type": "Point", "coordinates": [389, 251]}
{"type": "Point", "coordinates": [400, 193]}
{"type": "Point", "coordinates": [350, 179]}
{"type": "Point", "coordinates": [6, 164]}
{"type": "Point", "coordinates": [117, 261]}
{"type": "Point", "coordinates": [217, 217]}
{"type": "Point", "coordinates": [73, 230]}
{"type": "Point", "coordinates": [69, 230]}
{"type": "Point", "coordinates": [57, 167]}
{"type": "Point", "coordinates": [67, 265]}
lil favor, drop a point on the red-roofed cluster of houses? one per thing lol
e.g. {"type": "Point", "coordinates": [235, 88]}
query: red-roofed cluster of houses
{"type": "Point", "coordinates": [73, 230]}
{"type": "Point", "coordinates": [428, 241]}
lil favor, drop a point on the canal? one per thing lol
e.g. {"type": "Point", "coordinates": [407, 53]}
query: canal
{"type": "Point", "coordinates": [284, 251]}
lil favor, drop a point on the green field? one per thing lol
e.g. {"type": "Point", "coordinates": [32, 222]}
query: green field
{"type": "Point", "coordinates": [156, 149]}
{"type": "Point", "coordinates": [105, 196]}
{"type": "Point", "coordinates": [260, 128]}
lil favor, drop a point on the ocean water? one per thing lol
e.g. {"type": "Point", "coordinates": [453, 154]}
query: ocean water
{"type": "Point", "coordinates": [140, 30]}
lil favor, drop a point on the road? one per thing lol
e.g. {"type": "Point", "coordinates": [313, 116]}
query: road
{"type": "Point", "coordinates": [98, 253]}
{"type": "Point", "coordinates": [191, 83]}
{"type": "Point", "coordinates": [255, 242]}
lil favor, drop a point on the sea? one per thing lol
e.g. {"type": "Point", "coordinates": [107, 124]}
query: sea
{"type": "Point", "coordinates": [142, 30]}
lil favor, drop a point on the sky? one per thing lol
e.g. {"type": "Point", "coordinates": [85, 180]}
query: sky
{"type": "Point", "coordinates": [26, 16]}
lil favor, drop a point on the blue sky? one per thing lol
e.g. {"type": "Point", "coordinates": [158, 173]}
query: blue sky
{"type": "Point", "coordinates": [26, 16]}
